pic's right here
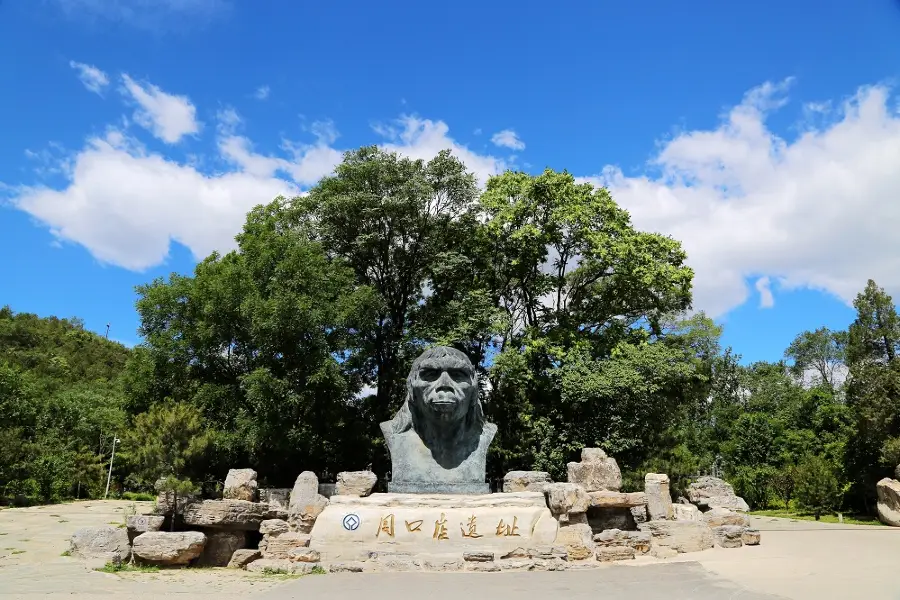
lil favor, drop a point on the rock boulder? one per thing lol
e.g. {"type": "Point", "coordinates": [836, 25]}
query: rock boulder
{"type": "Point", "coordinates": [355, 483]}
{"type": "Point", "coordinates": [596, 471]}
{"type": "Point", "coordinates": [240, 484]}
{"type": "Point", "coordinates": [680, 536]}
{"type": "Point", "coordinates": [241, 558]}
{"type": "Point", "coordinates": [169, 548]}
{"type": "Point", "coordinates": [888, 491]}
{"type": "Point", "coordinates": [659, 499]}
{"type": "Point", "coordinates": [717, 517]}
{"type": "Point", "coordinates": [221, 546]}
{"type": "Point", "coordinates": [728, 536]}
{"type": "Point", "coordinates": [712, 492]}
{"type": "Point", "coordinates": [526, 481]}
{"type": "Point", "coordinates": [106, 543]}
{"type": "Point", "coordinates": [306, 502]}
{"type": "Point", "coordinates": [566, 499]}
{"type": "Point", "coordinates": [686, 512]}
{"type": "Point", "coordinates": [228, 514]}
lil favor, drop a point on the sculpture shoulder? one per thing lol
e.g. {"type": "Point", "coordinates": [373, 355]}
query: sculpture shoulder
{"type": "Point", "coordinates": [488, 431]}
{"type": "Point", "coordinates": [386, 428]}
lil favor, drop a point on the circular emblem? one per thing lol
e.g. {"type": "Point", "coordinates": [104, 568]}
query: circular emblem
{"type": "Point", "coordinates": [351, 522]}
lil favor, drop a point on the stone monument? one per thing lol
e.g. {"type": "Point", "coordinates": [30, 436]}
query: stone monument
{"type": "Point", "coordinates": [438, 440]}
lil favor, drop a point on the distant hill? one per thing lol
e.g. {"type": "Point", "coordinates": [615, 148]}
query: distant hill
{"type": "Point", "coordinates": [58, 351]}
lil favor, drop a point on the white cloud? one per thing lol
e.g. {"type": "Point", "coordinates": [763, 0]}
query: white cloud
{"type": "Point", "coordinates": [507, 139]}
{"type": "Point", "coordinates": [262, 92]}
{"type": "Point", "coordinates": [167, 116]}
{"type": "Point", "coordinates": [93, 78]}
{"type": "Point", "coordinates": [423, 138]}
{"type": "Point", "coordinates": [764, 289]}
{"type": "Point", "coordinates": [819, 211]}
{"type": "Point", "coordinates": [125, 205]}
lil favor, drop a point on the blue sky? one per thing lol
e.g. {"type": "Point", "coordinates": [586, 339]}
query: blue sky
{"type": "Point", "coordinates": [765, 136]}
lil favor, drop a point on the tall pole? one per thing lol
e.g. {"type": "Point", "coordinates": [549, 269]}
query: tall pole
{"type": "Point", "coordinates": [111, 459]}
{"type": "Point", "coordinates": [107, 331]}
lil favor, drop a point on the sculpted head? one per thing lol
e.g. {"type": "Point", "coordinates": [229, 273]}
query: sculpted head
{"type": "Point", "coordinates": [441, 392]}
{"type": "Point", "coordinates": [442, 385]}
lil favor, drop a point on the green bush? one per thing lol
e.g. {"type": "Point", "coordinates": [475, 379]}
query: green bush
{"type": "Point", "coordinates": [817, 487]}
{"type": "Point", "coordinates": [138, 496]}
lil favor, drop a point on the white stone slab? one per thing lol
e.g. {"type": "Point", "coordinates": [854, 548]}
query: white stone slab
{"type": "Point", "coordinates": [432, 525]}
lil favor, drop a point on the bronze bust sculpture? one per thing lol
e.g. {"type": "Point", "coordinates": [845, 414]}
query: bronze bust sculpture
{"type": "Point", "coordinates": [438, 440]}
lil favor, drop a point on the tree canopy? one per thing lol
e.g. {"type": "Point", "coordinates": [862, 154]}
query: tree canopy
{"type": "Point", "coordinates": [286, 353]}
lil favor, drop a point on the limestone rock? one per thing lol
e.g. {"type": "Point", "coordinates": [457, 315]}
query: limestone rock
{"type": "Point", "coordinates": [243, 557]}
{"type": "Point", "coordinates": [169, 547]}
{"type": "Point", "coordinates": [596, 471]}
{"type": "Point", "coordinates": [549, 553]}
{"type": "Point", "coordinates": [221, 546]}
{"type": "Point", "coordinates": [273, 566]}
{"type": "Point", "coordinates": [443, 564]}
{"type": "Point", "coordinates": [274, 527]}
{"type": "Point", "coordinates": [612, 553]}
{"type": "Point", "coordinates": [718, 517]}
{"type": "Point", "coordinates": [106, 543]}
{"type": "Point", "coordinates": [639, 514]}
{"type": "Point", "coordinates": [305, 555]}
{"type": "Point", "coordinates": [686, 512]}
{"type": "Point", "coordinates": [750, 537]}
{"type": "Point", "coordinates": [639, 541]}
{"type": "Point", "coordinates": [516, 564]}
{"type": "Point", "coordinates": [355, 483]}
{"type": "Point", "coordinates": [165, 502]}
{"type": "Point", "coordinates": [526, 481]}
{"type": "Point", "coordinates": [728, 536]}
{"type": "Point", "coordinates": [659, 499]}
{"type": "Point", "coordinates": [680, 536]}
{"type": "Point", "coordinates": [144, 523]}
{"type": "Point", "coordinates": [567, 499]}
{"type": "Point", "coordinates": [482, 567]}
{"type": "Point", "coordinates": [663, 552]}
{"type": "Point", "coordinates": [240, 484]}
{"type": "Point", "coordinates": [607, 499]}
{"type": "Point", "coordinates": [227, 514]}
{"type": "Point", "coordinates": [576, 536]}
{"type": "Point", "coordinates": [278, 498]}
{"type": "Point", "coordinates": [888, 491]}
{"type": "Point", "coordinates": [280, 546]}
{"type": "Point", "coordinates": [346, 567]}
{"type": "Point", "coordinates": [306, 502]}
{"type": "Point", "coordinates": [478, 556]}
{"type": "Point", "coordinates": [327, 489]}
{"type": "Point", "coordinates": [712, 492]}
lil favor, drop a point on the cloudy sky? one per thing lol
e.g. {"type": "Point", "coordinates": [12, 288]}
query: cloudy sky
{"type": "Point", "coordinates": [765, 136]}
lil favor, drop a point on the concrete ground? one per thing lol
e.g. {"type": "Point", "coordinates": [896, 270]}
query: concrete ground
{"type": "Point", "coordinates": [797, 559]}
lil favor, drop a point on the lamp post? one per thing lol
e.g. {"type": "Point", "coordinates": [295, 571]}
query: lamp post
{"type": "Point", "coordinates": [111, 459]}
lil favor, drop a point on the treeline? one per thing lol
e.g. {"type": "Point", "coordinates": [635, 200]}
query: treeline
{"type": "Point", "coordinates": [286, 353]}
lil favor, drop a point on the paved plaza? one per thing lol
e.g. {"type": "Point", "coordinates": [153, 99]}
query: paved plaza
{"type": "Point", "coordinates": [797, 559]}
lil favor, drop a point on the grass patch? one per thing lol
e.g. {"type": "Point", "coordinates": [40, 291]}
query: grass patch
{"type": "Point", "coordinates": [63, 521]}
{"type": "Point", "coordinates": [66, 553]}
{"type": "Point", "coordinates": [126, 568]}
{"type": "Point", "coordinates": [829, 518]}
{"type": "Point", "coordinates": [318, 570]}
{"type": "Point", "coordinates": [18, 552]}
{"type": "Point", "coordinates": [138, 496]}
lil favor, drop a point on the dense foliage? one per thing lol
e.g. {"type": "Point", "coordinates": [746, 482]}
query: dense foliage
{"type": "Point", "coordinates": [287, 352]}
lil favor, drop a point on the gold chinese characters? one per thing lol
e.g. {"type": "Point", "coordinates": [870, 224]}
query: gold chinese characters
{"type": "Point", "coordinates": [469, 529]}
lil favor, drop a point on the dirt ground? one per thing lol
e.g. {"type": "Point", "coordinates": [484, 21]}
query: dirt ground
{"type": "Point", "coordinates": [797, 559]}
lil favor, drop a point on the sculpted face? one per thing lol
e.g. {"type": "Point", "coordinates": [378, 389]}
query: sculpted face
{"type": "Point", "coordinates": [444, 387]}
